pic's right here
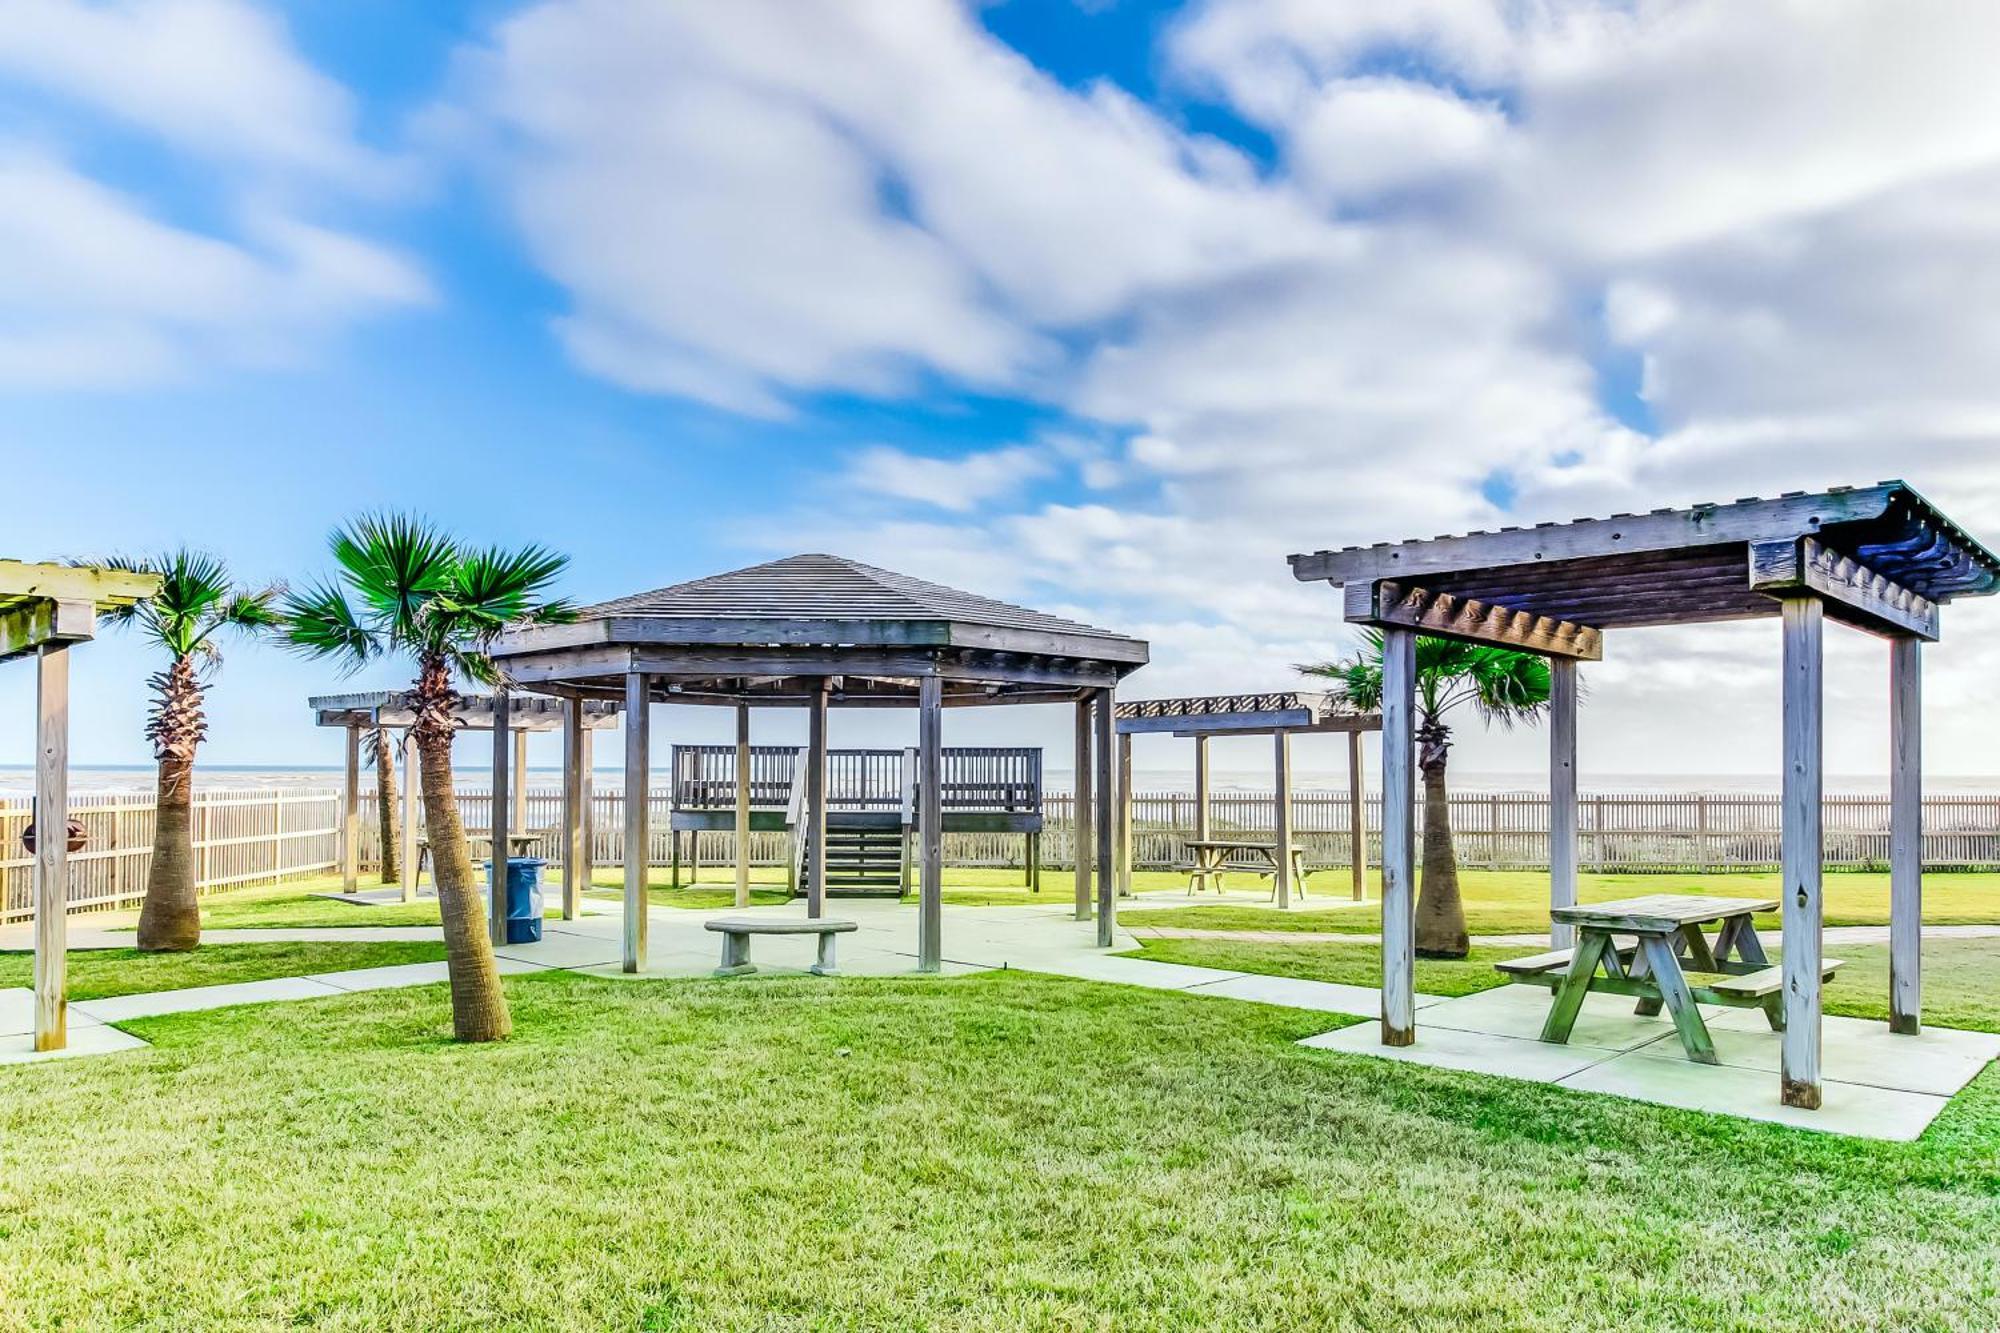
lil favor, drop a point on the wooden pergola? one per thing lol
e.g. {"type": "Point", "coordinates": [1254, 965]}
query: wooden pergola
{"type": "Point", "coordinates": [506, 718]}
{"type": "Point", "coordinates": [43, 610]}
{"type": "Point", "coordinates": [1880, 559]}
{"type": "Point", "coordinates": [1280, 715]}
{"type": "Point", "coordinates": [820, 632]}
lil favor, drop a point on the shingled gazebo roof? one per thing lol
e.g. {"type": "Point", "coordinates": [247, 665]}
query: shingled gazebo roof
{"type": "Point", "coordinates": [763, 632]}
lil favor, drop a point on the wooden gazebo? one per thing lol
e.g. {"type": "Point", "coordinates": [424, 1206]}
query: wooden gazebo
{"type": "Point", "coordinates": [1280, 715]}
{"type": "Point", "coordinates": [820, 632]}
{"type": "Point", "coordinates": [1881, 559]}
{"type": "Point", "coordinates": [43, 610]}
{"type": "Point", "coordinates": [396, 710]}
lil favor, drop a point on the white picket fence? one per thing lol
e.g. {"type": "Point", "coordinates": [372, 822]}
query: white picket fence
{"type": "Point", "coordinates": [250, 837]}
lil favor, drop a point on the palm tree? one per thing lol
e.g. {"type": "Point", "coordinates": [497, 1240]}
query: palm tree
{"type": "Point", "coordinates": [382, 754]}
{"type": "Point", "coordinates": [196, 603]}
{"type": "Point", "coordinates": [415, 591]}
{"type": "Point", "coordinates": [1503, 686]}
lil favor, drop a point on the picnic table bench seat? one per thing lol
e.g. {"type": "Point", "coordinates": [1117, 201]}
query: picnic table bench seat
{"type": "Point", "coordinates": [737, 930]}
{"type": "Point", "coordinates": [1753, 987]}
{"type": "Point", "coordinates": [1556, 960]}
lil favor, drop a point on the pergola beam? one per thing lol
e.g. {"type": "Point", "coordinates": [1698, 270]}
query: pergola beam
{"type": "Point", "coordinates": [1386, 604]}
{"type": "Point", "coordinates": [1854, 592]}
{"type": "Point", "coordinates": [26, 627]}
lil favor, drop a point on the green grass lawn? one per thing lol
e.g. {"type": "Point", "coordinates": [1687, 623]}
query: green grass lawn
{"type": "Point", "coordinates": [97, 973]}
{"type": "Point", "coordinates": [1507, 902]}
{"type": "Point", "coordinates": [1961, 977]}
{"type": "Point", "coordinates": [999, 1151]}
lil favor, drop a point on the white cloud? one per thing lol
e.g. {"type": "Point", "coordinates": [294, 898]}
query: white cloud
{"type": "Point", "coordinates": [99, 286]}
{"type": "Point", "coordinates": [218, 78]}
{"type": "Point", "coordinates": [95, 292]}
{"type": "Point", "coordinates": [1480, 213]}
{"type": "Point", "coordinates": [957, 484]}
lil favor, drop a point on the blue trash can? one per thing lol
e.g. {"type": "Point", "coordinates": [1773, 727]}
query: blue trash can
{"type": "Point", "coordinates": [524, 898]}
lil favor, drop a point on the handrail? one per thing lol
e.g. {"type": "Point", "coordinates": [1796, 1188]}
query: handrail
{"type": "Point", "coordinates": [794, 816]}
{"type": "Point", "coordinates": [909, 810]}
{"type": "Point", "coordinates": [974, 778]}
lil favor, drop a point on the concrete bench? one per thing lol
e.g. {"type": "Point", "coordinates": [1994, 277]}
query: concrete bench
{"type": "Point", "coordinates": [737, 930]}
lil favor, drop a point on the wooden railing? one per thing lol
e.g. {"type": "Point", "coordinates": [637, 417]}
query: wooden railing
{"type": "Point", "coordinates": [982, 778]}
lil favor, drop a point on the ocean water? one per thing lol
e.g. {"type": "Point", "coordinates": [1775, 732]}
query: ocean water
{"type": "Point", "coordinates": [18, 779]}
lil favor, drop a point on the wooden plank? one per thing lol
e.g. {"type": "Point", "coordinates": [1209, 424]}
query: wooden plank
{"type": "Point", "coordinates": [575, 855]}
{"type": "Point", "coordinates": [638, 726]}
{"type": "Point", "coordinates": [1124, 816]}
{"type": "Point", "coordinates": [94, 585]}
{"type": "Point", "coordinates": [1575, 985]}
{"type": "Point", "coordinates": [51, 873]}
{"type": "Point", "coordinates": [1562, 797]}
{"type": "Point", "coordinates": [1107, 840]}
{"type": "Point", "coordinates": [1660, 912]}
{"type": "Point", "coordinates": [1201, 787]}
{"type": "Point", "coordinates": [500, 845]}
{"type": "Point", "coordinates": [743, 805]}
{"type": "Point", "coordinates": [1357, 821]}
{"type": "Point", "coordinates": [1803, 847]}
{"type": "Point", "coordinates": [1082, 816]}
{"type": "Point", "coordinates": [350, 813]}
{"type": "Point", "coordinates": [1399, 809]}
{"type": "Point", "coordinates": [1906, 835]}
{"type": "Point", "coordinates": [1666, 974]}
{"type": "Point", "coordinates": [930, 825]}
{"type": "Point", "coordinates": [1870, 600]}
{"type": "Point", "coordinates": [1281, 805]}
{"type": "Point", "coordinates": [1621, 535]}
{"type": "Point", "coordinates": [27, 627]}
{"type": "Point", "coordinates": [815, 813]}
{"type": "Point", "coordinates": [1447, 615]}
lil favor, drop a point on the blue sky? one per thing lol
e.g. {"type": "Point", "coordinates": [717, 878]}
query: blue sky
{"type": "Point", "coordinates": [1099, 306]}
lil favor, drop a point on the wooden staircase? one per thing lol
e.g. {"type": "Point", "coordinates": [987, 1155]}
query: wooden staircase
{"type": "Point", "coordinates": [864, 855]}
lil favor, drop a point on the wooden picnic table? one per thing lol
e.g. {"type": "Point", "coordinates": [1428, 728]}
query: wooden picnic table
{"type": "Point", "coordinates": [1637, 947]}
{"type": "Point", "coordinates": [1213, 857]}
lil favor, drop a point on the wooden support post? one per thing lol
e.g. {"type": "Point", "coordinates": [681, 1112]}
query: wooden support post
{"type": "Point", "coordinates": [1804, 630]}
{"type": "Point", "coordinates": [1281, 818]}
{"type": "Point", "coordinates": [1906, 835]}
{"type": "Point", "coordinates": [586, 805]}
{"type": "Point", "coordinates": [517, 811]}
{"type": "Point", "coordinates": [1107, 838]}
{"type": "Point", "coordinates": [638, 826]}
{"type": "Point", "coordinates": [502, 820]}
{"type": "Point", "coordinates": [930, 823]}
{"type": "Point", "coordinates": [575, 857]}
{"type": "Point", "coordinates": [409, 866]}
{"type": "Point", "coordinates": [1357, 820]}
{"type": "Point", "coordinates": [350, 813]}
{"type": "Point", "coordinates": [743, 805]}
{"type": "Point", "coordinates": [51, 873]}
{"type": "Point", "coordinates": [816, 802]}
{"type": "Point", "coordinates": [1562, 795]}
{"type": "Point", "coordinates": [1083, 817]}
{"type": "Point", "coordinates": [1399, 842]}
{"type": "Point", "coordinates": [1125, 815]}
{"type": "Point", "coordinates": [1200, 788]}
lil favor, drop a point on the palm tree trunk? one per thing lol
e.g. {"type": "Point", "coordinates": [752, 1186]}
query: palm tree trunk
{"type": "Point", "coordinates": [385, 805]}
{"type": "Point", "coordinates": [478, 1005]}
{"type": "Point", "coordinates": [1440, 910]}
{"type": "Point", "coordinates": [170, 919]}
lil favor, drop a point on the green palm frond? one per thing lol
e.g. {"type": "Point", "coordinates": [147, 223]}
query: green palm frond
{"type": "Point", "coordinates": [319, 621]}
{"type": "Point", "coordinates": [406, 585]}
{"type": "Point", "coordinates": [1503, 685]}
{"type": "Point", "coordinates": [396, 564]}
{"type": "Point", "coordinates": [196, 600]}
